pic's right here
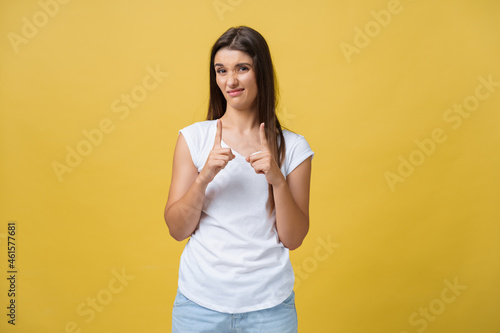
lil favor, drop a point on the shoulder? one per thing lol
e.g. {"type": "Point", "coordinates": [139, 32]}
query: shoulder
{"type": "Point", "coordinates": [200, 126]}
{"type": "Point", "coordinates": [297, 149]}
{"type": "Point", "coordinates": [293, 139]}
{"type": "Point", "coordinates": [198, 132]}
{"type": "Point", "coordinates": [200, 139]}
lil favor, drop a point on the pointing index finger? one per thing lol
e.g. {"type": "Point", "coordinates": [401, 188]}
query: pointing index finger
{"type": "Point", "coordinates": [218, 135]}
{"type": "Point", "coordinates": [263, 138]}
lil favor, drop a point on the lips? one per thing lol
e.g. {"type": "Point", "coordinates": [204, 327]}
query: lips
{"type": "Point", "coordinates": [235, 92]}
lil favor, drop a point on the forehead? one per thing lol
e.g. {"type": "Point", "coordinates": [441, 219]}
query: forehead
{"type": "Point", "coordinates": [231, 57]}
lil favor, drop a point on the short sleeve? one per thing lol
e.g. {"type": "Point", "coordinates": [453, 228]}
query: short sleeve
{"type": "Point", "coordinates": [190, 134]}
{"type": "Point", "coordinates": [297, 151]}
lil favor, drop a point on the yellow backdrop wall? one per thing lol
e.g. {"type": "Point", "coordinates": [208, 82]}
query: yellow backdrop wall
{"type": "Point", "coordinates": [399, 99]}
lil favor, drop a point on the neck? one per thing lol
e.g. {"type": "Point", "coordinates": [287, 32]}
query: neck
{"type": "Point", "coordinates": [241, 120]}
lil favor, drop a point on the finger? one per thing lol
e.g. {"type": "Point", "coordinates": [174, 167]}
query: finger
{"type": "Point", "coordinates": [217, 160]}
{"type": "Point", "coordinates": [230, 156]}
{"type": "Point", "coordinates": [230, 153]}
{"type": "Point", "coordinates": [218, 134]}
{"type": "Point", "coordinates": [258, 167]}
{"type": "Point", "coordinates": [222, 156]}
{"type": "Point", "coordinates": [263, 139]}
{"type": "Point", "coordinates": [225, 152]}
{"type": "Point", "coordinates": [253, 157]}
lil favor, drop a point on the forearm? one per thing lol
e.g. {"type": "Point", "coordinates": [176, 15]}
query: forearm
{"type": "Point", "coordinates": [183, 216]}
{"type": "Point", "coordinates": [292, 223]}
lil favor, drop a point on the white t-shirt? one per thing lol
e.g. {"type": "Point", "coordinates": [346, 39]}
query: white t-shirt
{"type": "Point", "coordinates": [234, 261]}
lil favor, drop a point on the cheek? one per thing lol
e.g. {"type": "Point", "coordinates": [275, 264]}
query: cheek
{"type": "Point", "coordinates": [254, 90]}
{"type": "Point", "coordinates": [221, 83]}
{"type": "Point", "coordinates": [251, 83]}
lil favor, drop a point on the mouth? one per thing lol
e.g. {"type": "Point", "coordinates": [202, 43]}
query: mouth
{"type": "Point", "coordinates": [235, 92]}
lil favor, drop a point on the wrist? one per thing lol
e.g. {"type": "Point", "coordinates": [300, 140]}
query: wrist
{"type": "Point", "coordinates": [280, 184]}
{"type": "Point", "coordinates": [201, 183]}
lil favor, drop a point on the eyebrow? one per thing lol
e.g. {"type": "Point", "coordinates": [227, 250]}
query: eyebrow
{"type": "Point", "coordinates": [237, 65]}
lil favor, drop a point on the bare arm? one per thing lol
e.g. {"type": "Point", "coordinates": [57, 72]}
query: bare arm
{"type": "Point", "coordinates": [291, 199]}
{"type": "Point", "coordinates": [187, 187]}
{"type": "Point", "coordinates": [291, 195]}
{"type": "Point", "coordinates": [186, 195]}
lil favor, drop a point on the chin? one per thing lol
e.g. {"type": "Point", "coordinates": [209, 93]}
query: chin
{"type": "Point", "coordinates": [240, 106]}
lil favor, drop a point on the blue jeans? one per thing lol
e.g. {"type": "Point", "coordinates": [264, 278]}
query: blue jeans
{"type": "Point", "coordinates": [189, 317]}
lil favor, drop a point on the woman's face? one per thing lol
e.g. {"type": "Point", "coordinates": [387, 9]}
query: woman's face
{"type": "Point", "coordinates": [235, 77]}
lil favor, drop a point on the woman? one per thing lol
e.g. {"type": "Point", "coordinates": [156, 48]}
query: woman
{"type": "Point", "coordinates": [240, 191]}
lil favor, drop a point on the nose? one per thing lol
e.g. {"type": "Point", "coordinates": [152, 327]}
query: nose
{"type": "Point", "coordinates": [232, 80]}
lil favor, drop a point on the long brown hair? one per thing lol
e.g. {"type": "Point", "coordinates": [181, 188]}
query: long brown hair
{"type": "Point", "coordinates": [251, 42]}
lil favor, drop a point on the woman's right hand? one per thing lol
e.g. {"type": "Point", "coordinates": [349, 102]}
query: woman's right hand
{"type": "Point", "coordinates": [217, 159]}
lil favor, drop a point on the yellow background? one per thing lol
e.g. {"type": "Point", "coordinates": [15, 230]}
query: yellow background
{"type": "Point", "coordinates": [392, 247]}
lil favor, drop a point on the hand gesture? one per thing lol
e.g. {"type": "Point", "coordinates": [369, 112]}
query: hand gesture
{"type": "Point", "coordinates": [218, 157]}
{"type": "Point", "coordinates": [263, 161]}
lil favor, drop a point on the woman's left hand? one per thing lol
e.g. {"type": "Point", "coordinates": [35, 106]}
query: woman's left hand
{"type": "Point", "coordinates": [264, 163]}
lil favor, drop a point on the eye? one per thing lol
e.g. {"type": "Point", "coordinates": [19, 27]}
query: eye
{"type": "Point", "coordinates": [221, 71]}
{"type": "Point", "coordinates": [244, 68]}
